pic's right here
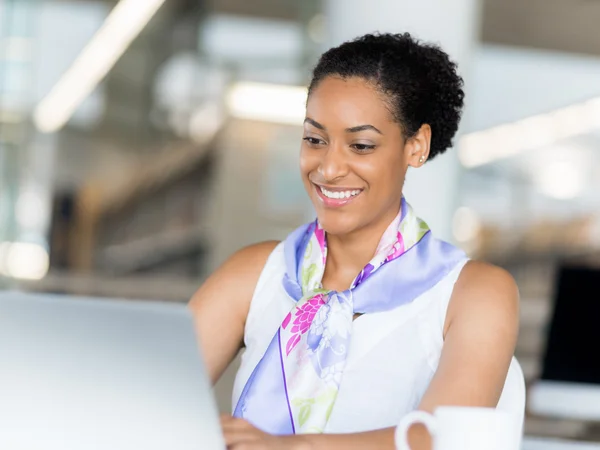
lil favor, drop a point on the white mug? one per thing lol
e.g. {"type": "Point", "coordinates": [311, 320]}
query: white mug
{"type": "Point", "coordinates": [463, 428]}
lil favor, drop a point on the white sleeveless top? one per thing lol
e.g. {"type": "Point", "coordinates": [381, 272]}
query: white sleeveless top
{"type": "Point", "coordinates": [392, 357]}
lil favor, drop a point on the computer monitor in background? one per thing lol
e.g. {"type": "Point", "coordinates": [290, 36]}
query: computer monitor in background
{"type": "Point", "coordinates": [569, 385]}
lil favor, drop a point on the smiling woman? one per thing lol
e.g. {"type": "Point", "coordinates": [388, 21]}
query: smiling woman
{"type": "Point", "coordinates": [362, 316]}
{"type": "Point", "coordinates": [357, 151]}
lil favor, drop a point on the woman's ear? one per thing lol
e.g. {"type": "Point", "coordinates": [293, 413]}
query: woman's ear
{"type": "Point", "coordinates": [417, 147]}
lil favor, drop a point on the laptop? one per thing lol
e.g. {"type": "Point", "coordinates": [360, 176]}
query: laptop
{"type": "Point", "coordinates": [95, 374]}
{"type": "Point", "coordinates": [569, 383]}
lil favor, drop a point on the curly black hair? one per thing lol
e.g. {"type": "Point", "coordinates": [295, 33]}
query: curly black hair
{"type": "Point", "coordinates": [418, 80]}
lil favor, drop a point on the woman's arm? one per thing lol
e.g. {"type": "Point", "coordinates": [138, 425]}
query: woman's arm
{"type": "Point", "coordinates": [479, 340]}
{"type": "Point", "coordinates": [481, 330]}
{"type": "Point", "coordinates": [221, 305]}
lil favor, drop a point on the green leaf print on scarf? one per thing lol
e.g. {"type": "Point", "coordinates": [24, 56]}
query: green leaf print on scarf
{"type": "Point", "coordinates": [306, 407]}
{"type": "Point", "coordinates": [304, 414]}
{"type": "Point", "coordinates": [308, 274]}
{"type": "Point", "coordinates": [423, 229]}
{"type": "Point", "coordinates": [308, 251]}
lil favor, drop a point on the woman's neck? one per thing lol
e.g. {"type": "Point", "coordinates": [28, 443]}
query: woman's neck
{"type": "Point", "coordinates": [347, 255]}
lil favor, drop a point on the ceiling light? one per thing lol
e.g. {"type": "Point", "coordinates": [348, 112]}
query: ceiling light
{"type": "Point", "coordinates": [120, 28]}
{"type": "Point", "coordinates": [24, 260]}
{"type": "Point", "coordinates": [592, 112]}
{"type": "Point", "coordinates": [561, 180]}
{"type": "Point", "coordinates": [268, 102]}
{"type": "Point", "coordinates": [483, 147]}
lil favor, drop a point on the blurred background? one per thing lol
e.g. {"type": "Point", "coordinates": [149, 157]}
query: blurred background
{"type": "Point", "coordinates": [142, 142]}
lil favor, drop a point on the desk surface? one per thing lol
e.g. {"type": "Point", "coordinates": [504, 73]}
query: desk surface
{"type": "Point", "coordinates": [531, 443]}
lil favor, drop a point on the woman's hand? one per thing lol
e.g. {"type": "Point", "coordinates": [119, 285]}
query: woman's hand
{"type": "Point", "coordinates": [241, 435]}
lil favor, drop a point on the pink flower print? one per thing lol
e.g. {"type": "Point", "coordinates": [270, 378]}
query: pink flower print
{"type": "Point", "coordinates": [286, 321]}
{"type": "Point", "coordinates": [397, 249]}
{"type": "Point", "coordinates": [291, 344]}
{"type": "Point", "coordinates": [304, 316]}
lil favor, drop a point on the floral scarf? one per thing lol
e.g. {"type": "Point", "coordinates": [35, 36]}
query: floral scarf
{"type": "Point", "coordinates": [294, 387]}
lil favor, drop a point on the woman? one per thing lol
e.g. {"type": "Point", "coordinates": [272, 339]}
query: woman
{"type": "Point", "coordinates": [362, 316]}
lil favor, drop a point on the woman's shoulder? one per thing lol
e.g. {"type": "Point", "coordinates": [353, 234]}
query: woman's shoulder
{"type": "Point", "coordinates": [478, 277]}
{"type": "Point", "coordinates": [486, 293]}
{"type": "Point", "coordinates": [237, 278]}
{"type": "Point", "coordinates": [253, 255]}
{"type": "Point", "coordinates": [246, 265]}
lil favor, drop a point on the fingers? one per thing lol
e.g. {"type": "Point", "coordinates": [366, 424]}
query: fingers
{"type": "Point", "coordinates": [234, 423]}
{"type": "Point", "coordinates": [240, 440]}
{"type": "Point", "coordinates": [238, 433]}
{"type": "Point", "coordinates": [247, 446]}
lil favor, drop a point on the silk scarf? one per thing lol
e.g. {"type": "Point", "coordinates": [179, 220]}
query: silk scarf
{"type": "Point", "coordinates": [294, 386]}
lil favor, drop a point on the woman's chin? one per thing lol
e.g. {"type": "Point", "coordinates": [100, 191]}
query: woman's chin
{"type": "Point", "coordinates": [338, 226]}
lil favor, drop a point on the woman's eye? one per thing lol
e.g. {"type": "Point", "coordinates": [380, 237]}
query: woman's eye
{"type": "Point", "coordinates": [362, 147]}
{"type": "Point", "coordinates": [312, 140]}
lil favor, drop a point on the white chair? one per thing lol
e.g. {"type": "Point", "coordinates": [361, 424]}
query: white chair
{"type": "Point", "coordinates": [513, 395]}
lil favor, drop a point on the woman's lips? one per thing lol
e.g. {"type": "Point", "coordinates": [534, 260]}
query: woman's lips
{"type": "Point", "coordinates": [336, 197]}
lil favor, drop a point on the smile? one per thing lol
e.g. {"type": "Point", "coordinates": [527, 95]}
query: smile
{"type": "Point", "coordinates": [337, 197]}
{"type": "Point", "coordinates": [339, 194]}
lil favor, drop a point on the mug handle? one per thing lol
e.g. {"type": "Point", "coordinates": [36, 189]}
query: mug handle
{"type": "Point", "coordinates": [412, 418]}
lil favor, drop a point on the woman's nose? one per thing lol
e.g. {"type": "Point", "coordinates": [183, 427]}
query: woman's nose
{"type": "Point", "coordinates": [333, 164]}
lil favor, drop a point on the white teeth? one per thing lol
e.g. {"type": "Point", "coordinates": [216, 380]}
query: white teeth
{"type": "Point", "coordinates": [339, 194]}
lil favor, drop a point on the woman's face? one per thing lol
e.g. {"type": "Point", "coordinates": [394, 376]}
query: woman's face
{"type": "Point", "coordinates": [354, 158]}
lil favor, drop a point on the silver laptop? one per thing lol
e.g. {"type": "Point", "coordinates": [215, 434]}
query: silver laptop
{"type": "Point", "coordinates": [98, 374]}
